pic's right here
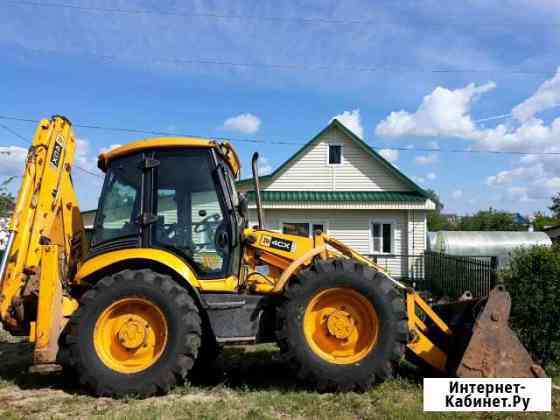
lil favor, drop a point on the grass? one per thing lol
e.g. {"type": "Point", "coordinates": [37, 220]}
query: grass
{"type": "Point", "coordinates": [248, 382]}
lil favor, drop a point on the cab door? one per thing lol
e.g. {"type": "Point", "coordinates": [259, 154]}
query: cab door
{"type": "Point", "coordinates": [192, 214]}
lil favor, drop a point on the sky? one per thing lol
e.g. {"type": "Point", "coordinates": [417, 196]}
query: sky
{"type": "Point", "coordinates": [405, 76]}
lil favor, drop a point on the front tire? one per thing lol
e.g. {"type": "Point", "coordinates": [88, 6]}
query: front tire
{"type": "Point", "coordinates": [136, 333]}
{"type": "Point", "coordinates": [341, 326]}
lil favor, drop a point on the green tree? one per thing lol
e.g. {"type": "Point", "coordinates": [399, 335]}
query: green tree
{"type": "Point", "coordinates": [436, 221]}
{"type": "Point", "coordinates": [535, 272]}
{"type": "Point", "coordinates": [555, 207]}
{"type": "Point", "coordinates": [489, 220]}
{"type": "Point", "coordinates": [541, 221]}
{"type": "Point", "coordinates": [7, 200]}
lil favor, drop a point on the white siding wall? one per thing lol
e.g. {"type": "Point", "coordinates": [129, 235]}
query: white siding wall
{"type": "Point", "coordinates": [357, 172]}
{"type": "Point", "coordinates": [351, 227]}
{"type": "Point", "coordinates": [417, 231]}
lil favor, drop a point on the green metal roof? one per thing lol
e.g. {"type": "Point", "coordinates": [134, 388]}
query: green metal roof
{"type": "Point", "coordinates": [330, 196]}
{"type": "Point", "coordinates": [363, 145]}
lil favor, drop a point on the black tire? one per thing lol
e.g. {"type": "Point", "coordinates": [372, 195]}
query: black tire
{"type": "Point", "coordinates": [376, 365]}
{"type": "Point", "coordinates": [181, 348]}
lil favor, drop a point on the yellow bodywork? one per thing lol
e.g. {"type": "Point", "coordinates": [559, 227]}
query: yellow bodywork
{"type": "Point", "coordinates": [223, 148]}
{"type": "Point", "coordinates": [94, 265]}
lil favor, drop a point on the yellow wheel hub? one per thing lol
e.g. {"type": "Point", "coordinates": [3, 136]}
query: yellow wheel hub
{"type": "Point", "coordinates": [340, 325]}
{"type": "Point", "coordinates": [133, 332]}
{"type": "Point", "coordinates": [130, 335]}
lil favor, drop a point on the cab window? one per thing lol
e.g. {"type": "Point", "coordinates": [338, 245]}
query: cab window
{"type": "Point", "coordinates": [190, 218]}
{"type": "Point", "coordinates": [120, 201]}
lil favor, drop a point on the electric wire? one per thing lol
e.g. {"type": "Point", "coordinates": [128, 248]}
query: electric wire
{"type": "Point", "coordinates": [286, 142]}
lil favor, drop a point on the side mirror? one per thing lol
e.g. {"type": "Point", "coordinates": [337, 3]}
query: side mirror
{"type": "Point", "coordinates": [243, 206]}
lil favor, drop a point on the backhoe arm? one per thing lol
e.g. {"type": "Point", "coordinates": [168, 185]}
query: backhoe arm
{"type": "Point", "coordinates": [46, 239]}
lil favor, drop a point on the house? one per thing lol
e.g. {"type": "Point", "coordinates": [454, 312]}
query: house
{"type": "Point", "coordinates": [338, 184]}
{"type": "Point", "coordinates": [451, 218]}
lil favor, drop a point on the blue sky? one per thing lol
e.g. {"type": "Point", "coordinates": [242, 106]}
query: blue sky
{"type": "Point", "coordinates": [154, 71]}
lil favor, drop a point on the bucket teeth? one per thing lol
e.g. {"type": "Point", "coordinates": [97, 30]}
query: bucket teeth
{"type": "Point", "coordinates": [494, 351]}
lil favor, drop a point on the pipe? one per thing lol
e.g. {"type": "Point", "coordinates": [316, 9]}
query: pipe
{"type": "Point", "coordinates": [260, 215]}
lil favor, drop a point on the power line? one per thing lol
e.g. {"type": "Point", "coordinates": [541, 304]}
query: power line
{"type": "Point", "coordinates": [14, 133]}
{"type": "Point", "coordinates": [369, 68]}
{"type": "Point", "coordinates": [282, 142]}
{"type": "Point", "coordinates": [26, 143]}
{"type": "Point", "coordinates": [306, 20]}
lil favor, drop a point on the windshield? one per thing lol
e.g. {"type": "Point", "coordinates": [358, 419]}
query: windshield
{"type": "Point", "coordinates": [119, 206]}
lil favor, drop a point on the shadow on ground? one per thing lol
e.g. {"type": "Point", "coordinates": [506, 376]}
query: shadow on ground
{"type": "Point", "coordinates": [239, 367]}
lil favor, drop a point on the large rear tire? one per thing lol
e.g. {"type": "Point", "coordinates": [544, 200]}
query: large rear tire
{"type": "Point", "coordinates": [136, 333]}
{"type": "Point", "coordinates": [342, 326]}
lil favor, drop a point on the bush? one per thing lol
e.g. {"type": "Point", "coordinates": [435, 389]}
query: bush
{"type": "Point", "coordinates": [533, 280]}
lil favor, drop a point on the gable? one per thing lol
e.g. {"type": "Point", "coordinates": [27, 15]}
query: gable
{"type": "Point", "coordinates": [357, 171]}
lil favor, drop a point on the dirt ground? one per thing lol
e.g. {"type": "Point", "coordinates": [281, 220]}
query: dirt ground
{"type": "Point", "coordinates": [248, 382]}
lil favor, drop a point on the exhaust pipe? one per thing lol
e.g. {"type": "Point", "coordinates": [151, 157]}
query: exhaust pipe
{"type": "Point", "coordinates": [254, 164]}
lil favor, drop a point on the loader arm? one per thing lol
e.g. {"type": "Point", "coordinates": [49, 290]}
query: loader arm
{"type": "Point", "coordinates": [437, 339]}
{"type": "Point", "coordinates": [46, 239]}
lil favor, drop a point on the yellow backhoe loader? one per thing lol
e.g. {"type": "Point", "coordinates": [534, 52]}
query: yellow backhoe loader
{"type": "Point", "coordinates": [174, 271]}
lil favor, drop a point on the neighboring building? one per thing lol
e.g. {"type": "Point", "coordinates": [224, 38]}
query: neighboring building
{"type": "Point", "coordinates": [338, 184]}
{"type": "Point", "coordinates": [451, 218]}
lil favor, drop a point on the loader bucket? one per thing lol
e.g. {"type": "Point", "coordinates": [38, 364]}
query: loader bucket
{"type": "Point", "coordinates": [494, 351]}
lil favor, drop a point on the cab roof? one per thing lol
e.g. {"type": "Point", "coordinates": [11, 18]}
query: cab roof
{"type": "Point", "coordinates": [224, 149]}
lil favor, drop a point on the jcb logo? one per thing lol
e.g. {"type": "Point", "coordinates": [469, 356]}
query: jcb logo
{"type": "Point", "coordinates": [265, 241]}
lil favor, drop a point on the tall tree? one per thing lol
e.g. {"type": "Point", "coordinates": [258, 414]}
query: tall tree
{"type": "Point", "coordinates": [542, 221]}
{"type": "Point", "coordinates": [555, 207]}
{"type": "Point", "coordinates": [7, 200]}
{"type": "Point", "coordinates": [436, 221]}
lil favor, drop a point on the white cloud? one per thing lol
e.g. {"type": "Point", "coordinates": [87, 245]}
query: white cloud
{"type": "Point", "coordinates": [431, 176]}
{"type": "Point", "coordinates": [12, 160]}
{"type": "Point", "coordinates": [419, 180]}
{"type": "Point", "coordinates": [428, 159]}
{"type": "Point", "coordinates": [391, 155]}
{"type": "Point", "coordinates": [547, 96]}
{"type": "Point", "coordinates": [457, 194]}
{"type": "Point", "coordinates": [243, 123]}
{"type": "Point", "coordinates": [352, 121]}
{"type": "Point", "coordinates": [510, 176]}
{"type": "Point", "coordinates": [433, 145]}
{"type": "Point", "coordinates": [444, 112]}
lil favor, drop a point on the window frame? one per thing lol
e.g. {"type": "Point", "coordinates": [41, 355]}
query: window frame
{"type": "Point", "coordinates": [309, 222]}
{"type": "Point", "coordinates": [329, 154]}
{"type": "Point", "coordinates": [381, 221]}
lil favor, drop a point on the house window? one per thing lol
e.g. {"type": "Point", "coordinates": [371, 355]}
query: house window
{"type": "Point", "coordinates": [335, 154]}
{"type": "Point", "coordinates": [305, 229]}
{"type": "Point", "coordinates": [381, 237]}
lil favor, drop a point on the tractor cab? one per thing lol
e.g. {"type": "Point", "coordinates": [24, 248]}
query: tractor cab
{"type": "Point", "coordinates": [174, 194]}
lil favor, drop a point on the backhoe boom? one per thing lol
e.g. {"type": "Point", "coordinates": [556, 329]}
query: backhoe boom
{"type": "Point", "coordinates": [46, 225]}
